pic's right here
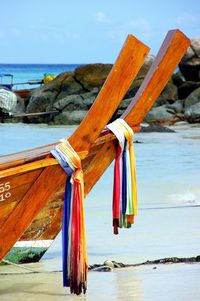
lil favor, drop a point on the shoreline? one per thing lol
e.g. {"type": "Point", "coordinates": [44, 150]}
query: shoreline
{"type": "Point", "coordinates": [168, 175]}
{"type": "Point", "coordinates": [107, 266]}
{"type": "Point", "coordinates": [166, 283]}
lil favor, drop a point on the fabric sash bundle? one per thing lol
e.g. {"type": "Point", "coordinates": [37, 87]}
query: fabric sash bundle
{"type": "Point", "coordinates": [124, 188]}
{"type": "Point", "coordinates": [75, 263]}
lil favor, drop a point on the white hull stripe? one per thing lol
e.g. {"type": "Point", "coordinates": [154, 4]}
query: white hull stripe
{"type": "Point", "coordinates": [33, 244]}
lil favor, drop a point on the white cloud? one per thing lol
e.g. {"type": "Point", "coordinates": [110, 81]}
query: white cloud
{"type": "Point", "coordinates": [56, 32]}
{"type": "Point", "coordinates": [141, 28]}
{"type": "Point", "coordinates": [188, 19]}
{"type": "Point", "coordinates": [63, 36]}
{"type": "Point", "coordinates": [139, 24]}
{"type": "Point", "coordinates": [100, 17]}
{"type": "Point", "coordinates": [116, 35]}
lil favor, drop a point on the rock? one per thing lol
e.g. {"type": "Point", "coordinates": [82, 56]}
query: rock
{"type": "Point", "coordinates": [125, 103]}
{"type": "Point", "coordinates": [181, 123]}
{"type": "Point", "coordinates": [92, 75]}
{"type": "Point", "coordinates": [71, 94]}
{"type": "Point", "coordinates": [161, 100]}
{"type": "Point", "coordinates": [63, 85]}
{"type": "Point", "coordinates": [69, 103]}
{"type": "Point", "coordinates": [107, 266]}
{"type": "Point", "coordinates": [102, 269]}
{"type": "Point", "coordinates": [65, 82]}
{"type": "Point", "coordinates": [133, 88]}
{"type": "Point", "coordinates": [156, 128]}
{"type": "Point", "coordinates": [69, 86]}
{"type": "Point", "coordinates": [109, 263]}
{"type": "Point", "coordinates": [43, 98]}
{"type": "Point", "coordinates": [170, 92]}
{"type": "Point", "coordinates": [70, 117]}
{"type": "Point", "coordinates": [3, 116]}
{"type": "Point", "coordinates": [168, 96]}
{"type": "Point", "coordinates": [76, 102]}
{"type": "Point", "coordinates": [117, 114]}
{"type": "Point", "coordinates": [89, 98]}
{"type": "Point", "coordinates": [41, 102]}
{"type": "Point", "coordinates": [20, 106]}
{"type": "Point", "coordinates": [190, 63]}
{"type": "Point", "coordinates": [53, 85]}
{"type": "Point", "coordinates": [198, 258]}
{"type": "Point", "coordinates": [192, 113]}
{"type": "Point", "coordinates": [186, 88]}
{"type": "Point", "coordinates": [193, 98]}
{"type": "Point", "coordinates": [172, 260]}
{"type": "Point", "coordinates": [146, 66]}
{"type": "Point", "coordinates": [176, 107]}
{"type": "Point", "coordinates": [140, 77]}
{"type": "Point", "coordinates": [118, 264]}
{"type": "Point", "coordinates": [178, 79]}
{"type": "Point", "coordinates": [160, 114]}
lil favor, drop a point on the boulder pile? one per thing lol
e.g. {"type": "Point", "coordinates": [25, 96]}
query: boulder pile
{"type": "Point", "coordinates": [71, 94]}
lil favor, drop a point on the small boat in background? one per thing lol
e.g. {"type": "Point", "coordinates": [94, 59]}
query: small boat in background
{"type": "Point", "coordinates": [7, 82]}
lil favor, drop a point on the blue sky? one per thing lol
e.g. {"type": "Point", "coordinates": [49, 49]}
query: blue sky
{"type": "Point", "coordinates": [75, 31]}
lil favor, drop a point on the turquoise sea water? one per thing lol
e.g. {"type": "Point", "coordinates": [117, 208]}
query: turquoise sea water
{"type": "Point", "coordinates": [32, 72]}
{"type": "Point", "coordinates": [168, 224]}
{"type": "Point", "coordinates": [168, 173]}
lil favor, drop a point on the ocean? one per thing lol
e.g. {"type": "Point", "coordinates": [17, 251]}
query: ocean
{"type": "Point", "coordinates": [23, 73]}
{"type": "Point", "coordinates": [167, 225]}
{"type": "Point", "coordinates": [168, 173]}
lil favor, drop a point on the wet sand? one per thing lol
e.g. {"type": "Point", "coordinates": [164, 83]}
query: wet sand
{"type": "Point", "coordinates": [167, 225]}
{"type": "Point", "coordinates": [153, 282]}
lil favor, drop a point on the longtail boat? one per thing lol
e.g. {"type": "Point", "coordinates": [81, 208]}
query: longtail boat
{"type": "Point", "coordinates": [32, 183]}
{"type": "Point", "coordinates": [9, 84]}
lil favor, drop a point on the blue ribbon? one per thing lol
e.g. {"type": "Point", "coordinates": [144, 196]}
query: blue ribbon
{"type": "Point", "coordinates": [65, 166]}
{"type": "Point", "coordinates": [66, 214]}
{"type": "Point", "coordinates": [65, 229]}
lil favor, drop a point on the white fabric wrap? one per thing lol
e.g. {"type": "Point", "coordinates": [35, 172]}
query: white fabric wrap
{"type": "Point", "coordinates": [8, 100]}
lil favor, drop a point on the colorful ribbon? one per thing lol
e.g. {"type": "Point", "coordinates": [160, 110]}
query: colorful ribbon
{"type": "Point", "coordinates": [75, 263]}
{"type": "Point", "coordinates": [124, 187]}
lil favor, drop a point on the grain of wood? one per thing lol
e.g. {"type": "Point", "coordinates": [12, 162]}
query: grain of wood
{"type": "Point", "coordinates": [52, 178]}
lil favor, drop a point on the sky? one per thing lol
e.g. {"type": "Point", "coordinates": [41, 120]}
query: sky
{"type": "Point", "coordinates": [88, 31]}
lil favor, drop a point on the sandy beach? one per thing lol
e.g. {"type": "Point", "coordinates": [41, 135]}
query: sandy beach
{"type": "Point", "coordinates": [67, 70]}
{"type": "Point", "coordinates": [167, 225]}
{"type": "Point", "coordinates": [158, 282]}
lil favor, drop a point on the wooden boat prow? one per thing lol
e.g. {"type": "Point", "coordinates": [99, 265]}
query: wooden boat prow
{"type": "Point", "coordinates": [32, 182]}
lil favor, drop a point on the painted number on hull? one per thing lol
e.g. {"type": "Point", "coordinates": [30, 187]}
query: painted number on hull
{"type": "Point", "coordinates": [4, 191]}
